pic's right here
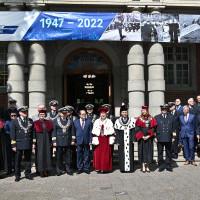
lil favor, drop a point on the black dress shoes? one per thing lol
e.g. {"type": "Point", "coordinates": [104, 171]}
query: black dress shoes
{"type": "Point", "coordinates": [59, 174]}
{"type": "Point", "coordinates": [69, 173]}
{"type": "Point", "coordinates": [17, 179]}
{"type": "Point", "coordinates": [29, 178]}
{"type": "Point", "coordinates": [79, 172]}
{"type": "Point", "coordinates": [169, 169]}
{"type": "Point", "coordinates": [161, 169]}
{"type": "Point", "coordinates": [87, 171]}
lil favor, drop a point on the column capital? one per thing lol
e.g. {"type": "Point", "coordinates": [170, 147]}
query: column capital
{"type": "Point", "coordinates": [135, 9]}
{"type": "Point", "coordinates": [14, 6]}
{"type": "Point", "coordinates": [155, 9]}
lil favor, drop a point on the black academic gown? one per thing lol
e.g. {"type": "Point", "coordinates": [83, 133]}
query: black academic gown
{"type": "Point", "coordinates": [145, 147]}
{"type": "Point", "coordinates": [125, 136]}
{"type": "Point", "coordinates": [43, 148]}
{"type": "Point", "coordinates": [3, 163]}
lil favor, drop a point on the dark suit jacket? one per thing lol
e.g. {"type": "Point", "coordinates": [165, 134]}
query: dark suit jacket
{"type": "Point", "coordinates": [197, 108]}
{"type": "Point", "coordinates": [198, 124]}
{"type": "Point", "coordinates": [187, 129]}
{"type": "Point", "coordinates": [180, 109]}
{"type": "Point", "coordinates": [82, 136]}
{"type": "Point", "coordinates": [176, 120]}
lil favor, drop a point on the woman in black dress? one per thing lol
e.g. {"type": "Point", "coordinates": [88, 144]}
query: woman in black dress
{"type": "Point", "coordinates": [42, 139]}
{"type": "Point", "coordinates": [145, 131]}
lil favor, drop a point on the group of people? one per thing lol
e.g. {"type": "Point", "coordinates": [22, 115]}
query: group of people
{"type": "Point", "coordinates": [73, 136]}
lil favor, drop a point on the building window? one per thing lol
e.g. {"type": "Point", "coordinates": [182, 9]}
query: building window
{"type": "Point", "coordinates": [177, 67]}
{"type": "Point", "coordinates": [3, 66]}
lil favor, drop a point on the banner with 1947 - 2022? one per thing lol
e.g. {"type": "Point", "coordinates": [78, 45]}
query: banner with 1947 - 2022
{"type": "Point", "coordinates": [147, 27]}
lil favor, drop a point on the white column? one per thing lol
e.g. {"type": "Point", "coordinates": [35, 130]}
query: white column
{"type": "Point", "coordinates": [136, 83]}
{"type": "Point", "coordinates": [15, 62]}
{"type": "Point", "coordinates": [15, 83]}
{"type": "Point", "coordinates": [37, 77]}
{"type": "Point", "coordinates": [156, 83]}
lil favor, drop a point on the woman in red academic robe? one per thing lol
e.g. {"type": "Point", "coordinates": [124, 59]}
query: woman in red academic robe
{"type": "Point", "coordinates": [103, 132]}
{"type": "Point", "coordinates": [145, 125]}
{"type": "Point", "coordinates": [42, 138]}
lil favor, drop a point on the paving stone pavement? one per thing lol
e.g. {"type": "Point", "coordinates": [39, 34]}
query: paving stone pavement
{"type": "Point", "coordinates": [183, 183]}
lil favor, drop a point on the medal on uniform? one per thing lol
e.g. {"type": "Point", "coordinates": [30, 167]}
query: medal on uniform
{"type": "Point", "coordinates": [64, 128]}
{"type": "Point", "coordinates": [22, 127]}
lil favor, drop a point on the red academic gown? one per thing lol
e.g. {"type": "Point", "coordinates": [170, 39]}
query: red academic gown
{"type": "Point", "coordinates": [102, 155]}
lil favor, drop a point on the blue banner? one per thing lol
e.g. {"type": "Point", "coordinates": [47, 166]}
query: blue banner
{"type": "Point", "coordinates": [147, 27]}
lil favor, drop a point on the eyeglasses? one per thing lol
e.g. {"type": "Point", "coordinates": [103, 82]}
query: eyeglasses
{"type": "Point", "coordinates": [13, 115]}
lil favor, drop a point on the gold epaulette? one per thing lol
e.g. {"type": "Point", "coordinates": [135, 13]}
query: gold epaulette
{"type": "Point", "coordinates": [73, 137]}
{"type": "Point", "coordinates": [13, 142]}
{"type": "Point", "coordinates": [174, 133]}
{"type": "Point", "coordinates": [53, 138]}
{"type": "Point", "coordinates": [34, 140]}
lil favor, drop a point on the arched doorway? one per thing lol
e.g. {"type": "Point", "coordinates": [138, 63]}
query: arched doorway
{"type": "Point", "coordinates": [87, 78]}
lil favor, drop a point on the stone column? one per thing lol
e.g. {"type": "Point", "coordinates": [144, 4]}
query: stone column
{"type": "Point", "coordinates": [16, 83]}
{"type": "Point", "coordinates": [15, 62]}
{"type": "Point", "coordinates": [136, 83]}
{"type": "Point", "coordinates": [37, 77]}
{"type": "Point", "coordinates": [156, 82]}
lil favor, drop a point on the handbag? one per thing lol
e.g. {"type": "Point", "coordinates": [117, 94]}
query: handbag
{"type": "Point", "coordinates": [111, 140]}
{"type": "Point", "coordinates": [95, 141]}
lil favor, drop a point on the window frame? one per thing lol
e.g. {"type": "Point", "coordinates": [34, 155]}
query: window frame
{"type": "Point", "coordinates": [191, 68]}
{"type": "Point", "coordinates": [4, 63]}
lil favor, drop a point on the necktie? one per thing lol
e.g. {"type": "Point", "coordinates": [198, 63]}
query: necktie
{"type": "Point", "coordinates": [82, 126]}
{"type": "Point", "coordinates": [185, 118]}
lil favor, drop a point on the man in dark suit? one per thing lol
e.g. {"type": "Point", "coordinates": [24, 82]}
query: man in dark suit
{"type": "Point", "coordinates": [82, 135]}
{"type": "Point", "coordinates": [197, 105]}
{"type": "Point", "coordinates": [72, 117]}
{"type": "Point", "coordinates": [165, 136]}
{"type": "Point", "coordinates": [62, 138]}
{"type": "Point", "coordinates": [191, 106]}
{"type": "Point", "coordinates": [175, 114]}
{"type": "Point", "coordinates": [21, 134]}
{"type": "Point", "coordinates": [188, 127]}
{"type": "Point", "coordinates": [178, 106]}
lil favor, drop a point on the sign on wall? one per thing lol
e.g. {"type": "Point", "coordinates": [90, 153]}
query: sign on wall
{"type": "Point", "coordinates": [42, 26]}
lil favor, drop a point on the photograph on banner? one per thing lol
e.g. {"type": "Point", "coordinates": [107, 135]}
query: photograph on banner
{"type": "Point", "coordinates": [160, 27]}
{"type": "Point", "coordinates": [124, 27]}
{"type": "Point", "coordinates": [190, 28]}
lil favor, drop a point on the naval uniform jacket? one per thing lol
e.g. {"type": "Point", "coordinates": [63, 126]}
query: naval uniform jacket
{"type": "Point", "coordinates": [176, 116]}
{"type": "Point", "coordinates": [92, 117]}
{"type": "Point", "coordinates": [166, 128]}
{"type": "Point", "coordinates": [51, 116]}
{"type": "Point", "coordinates": [22, 134]}
{"type": "Point", "coordinates": [62, 132]}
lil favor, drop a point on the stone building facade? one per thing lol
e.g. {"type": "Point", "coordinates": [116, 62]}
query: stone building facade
{"type": "Point", "coordinates": [146, 73]}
